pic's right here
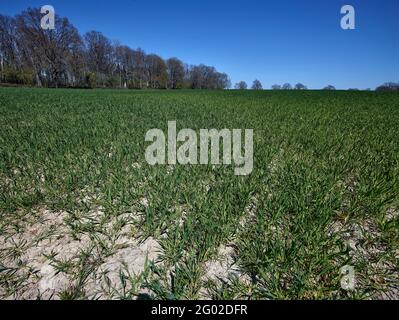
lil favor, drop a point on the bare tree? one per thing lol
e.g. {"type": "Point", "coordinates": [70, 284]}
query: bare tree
{"type": "Point", "coordinates": [206, 77]}
{"type": "Point", "coordinates": [49, 51]}
{"type": "Point", "coordinates": [257, 85]}
{"type": "Point", "coordinates": [300, 86]}
{"type": "Point", "coordinates": [100, 55]}
{"type": "Point", "coordinates": [329, 87]}
{"type": "Point", "coordinates": [175, 73]}
{"type": "Point", "coordinates": [223, 81]}
{"type": "Point", "coordinates": [124, 58]}
{"type": "Point", "coordinates": [8, 47]}
{"type": "Point", "coordinates": [198, 76]}
{"type": "Point", "coordinates": [388, 86]}
{"type": "Point", "coordinates": [140, 76]}
{"type": "Point", "coordinates": [157, 72]}
{"type": "Point", "coordinates": [242, 85]}
{"type": "Point", "coordinates": [286, 86]}
{"type": "Point", "coordinates": [77, 66]}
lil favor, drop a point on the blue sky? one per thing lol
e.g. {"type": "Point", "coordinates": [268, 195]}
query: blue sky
{"type": "Point", "coordinates": [273, 41]}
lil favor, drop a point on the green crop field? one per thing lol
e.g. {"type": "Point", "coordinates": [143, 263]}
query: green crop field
{"type": "Point", "coordinates": [83, 216]}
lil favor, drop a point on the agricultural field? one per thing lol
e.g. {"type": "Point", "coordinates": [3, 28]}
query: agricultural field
{"type": "Point", "coordinates": [83, 216]}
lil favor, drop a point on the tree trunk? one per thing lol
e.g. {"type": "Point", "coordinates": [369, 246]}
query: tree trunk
{"type": "Point", "coordinates": [38, 80]}
{"type": "Point", "coordinates": [2, 68]}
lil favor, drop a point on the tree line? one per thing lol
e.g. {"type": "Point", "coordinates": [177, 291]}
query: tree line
{"type": "Point", "coordinates": [30, 55]}
{"type": "Point", "coordinates": [257, 85]}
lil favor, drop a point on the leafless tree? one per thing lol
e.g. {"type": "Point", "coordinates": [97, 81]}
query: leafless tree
{"type": "Point", "coordinates": [286, 86]}
{"type": "Point", "coordinates": [8, 47]}
{"type": "Point", "coordinates": [49, 51]}
{"type": "Point", "coordinates": [206, 77]}
{"type": "Point", "coordinates": [124, 58]}
{"type": "Point", "coordinates": [242, 85]}
{"type": "Point", "coordinates": [99, 55]}
{"type": "Point", "coordinates": [140, 76]}
{"type": "Point", "coordinates": [300, 86]}
{"type": "Point", "coordinates": [223, 81]}
{"type": "Point", "coordinates": [175, 73]}
{"type": "Point", "coordinates": [388, 86]}
{"type": "Point", "coordinates": [157, 72]}
{"type": "Point", "coordinates": [257, 85]}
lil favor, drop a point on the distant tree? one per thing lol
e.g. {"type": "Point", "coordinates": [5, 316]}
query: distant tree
{"type": "Point", "coordinates": [300, 86]}
{"type": "Point", "coordinates": [329, 87]}
{"type": "Point", "coordinates": [257, 85]}
{"type": "Point", "coordinates": [61, 57]}
{"type": "Point", "coordinates": [175, 73]}
{"type": "Point", "coordinates": [157, 72]}
{"type": "Point", "coordinates": [140, 77]}
{"type": "Point", "coordinates": [287, 86]}
{"type": "Point", "coordinates": [223, 81]}
{"type": "Point", "coordinates": [100, 56]}
{"type": "Point", "coordinates": [276, 87]}
{"type": "Point", "coordinates": [8, 46]}
{"type": "Point", "coordinates": [77, 65]}
{"type": "Point", "coordinates": [124, 61]}
{"type": "Point", "coordinates": [206, 77]}
{"type": "Point", "coordinates": [388, 86]}
{"type": "Point", "coordinates": [353, 89]}
{"type": "Point", "coordinates": [242, 85]}
{"type": "Point", "coordinates": [47, 52]}
{"type": "Point", "coordinates": [196, 77]}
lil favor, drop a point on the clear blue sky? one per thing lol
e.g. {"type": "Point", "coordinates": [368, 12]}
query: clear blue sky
{"type": "Point", "coordinates": [273, 41]}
